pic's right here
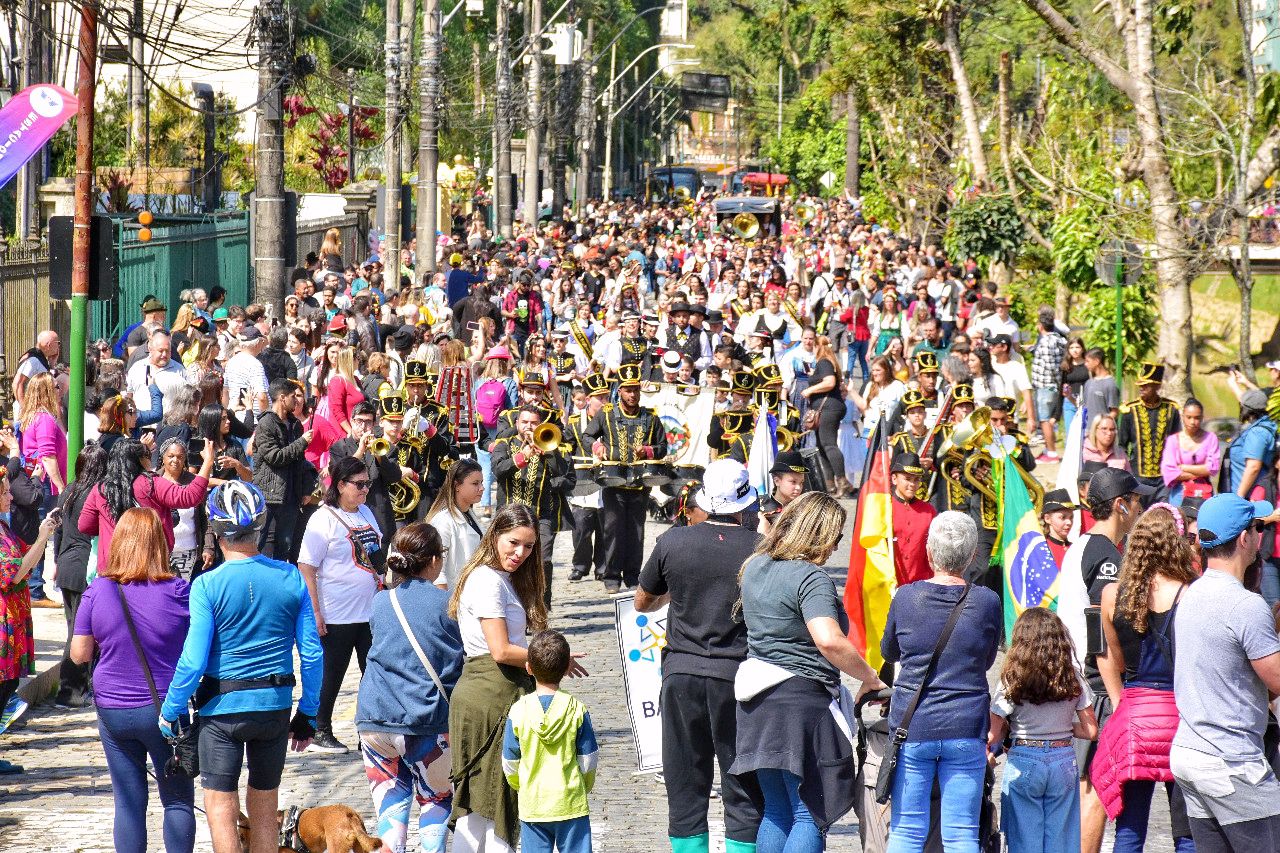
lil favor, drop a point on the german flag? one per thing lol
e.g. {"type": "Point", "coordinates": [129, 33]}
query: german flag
{"type": "Point", "coordinates": [872, 578]}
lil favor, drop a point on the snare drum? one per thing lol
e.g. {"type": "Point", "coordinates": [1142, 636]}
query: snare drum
{"type": "Point", "coordinates": [655, 474]}
{"type": "Point", "coordinates": [615, 475]}
{"type": "Point", "coordinates": [586, 484]}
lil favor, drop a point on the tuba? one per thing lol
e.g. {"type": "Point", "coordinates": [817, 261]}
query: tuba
{"type": "Point", "coordinates": [805, 212]}
{"type": "Point", "coordinates": [971, 433]}
{"type": "Point", "coordinates": [745, 225]}
{"type": "Point", "coordinates": [405, 496]}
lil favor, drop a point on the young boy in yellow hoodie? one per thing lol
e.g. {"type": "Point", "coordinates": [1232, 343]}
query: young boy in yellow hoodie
{"type": "Point", "coordinates": [549, 754]}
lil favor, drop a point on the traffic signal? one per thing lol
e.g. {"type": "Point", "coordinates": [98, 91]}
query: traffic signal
{"type": "Point", "coordinates": [145, 218]}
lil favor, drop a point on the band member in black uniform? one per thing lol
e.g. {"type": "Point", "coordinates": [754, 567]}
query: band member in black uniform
{"type": "Point", "coordinates": [951, 491]}
{"type": "Point", "coordinates": [730, 434]}
{"type": "Point", "coordinates": [1003, 423]}
{"type": "Point", "coordinates": [564, 366]}
{"type": "Point", "coordinates": [588, 534]}
{"type": "Point", "coordinates": [681, 337]}
{"type": "Point", "coordinates": [912, 439]}
{"type": "Point", "coordinates": [427, 427]}
{"type": "Point", "coordinates": [540, 476]}
{"type": "Point", "coordinates": [789, 473]}
{"type": "Point", "coordinates": [927, 391]}
{"type": "Point", "coordinates": [1144, 425]}
{"type": "Point", "coordinates": [626, 433]}
{"type": "Point", "coordinates": [629, 348]}
{"type": "Point", "coordinates": [383, 470]}
{"type": "Point", "coordinates": [533, 391]}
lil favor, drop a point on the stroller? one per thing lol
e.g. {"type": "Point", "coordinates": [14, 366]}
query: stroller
{"type": "Point", "coordinates": [873, 818]}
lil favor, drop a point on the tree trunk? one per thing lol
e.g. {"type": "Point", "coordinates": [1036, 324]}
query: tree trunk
{"type": "Point", "coordinates": [852, 144]}
{"type": "Point", "coordinates": [968, 109]}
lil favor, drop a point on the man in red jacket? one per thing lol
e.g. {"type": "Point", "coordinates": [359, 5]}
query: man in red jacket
{"type": "Point", "coordinates": [911, 518]}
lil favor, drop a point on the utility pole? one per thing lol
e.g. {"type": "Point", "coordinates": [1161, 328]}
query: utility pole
{"type": "Point", "coordinates": [533, 133]}
{"type": "Point", "coordinates": [502, 127]}
{"type": "Point", "coordinates": [779, 101]}
{"type": "Point", "coordinates": [477, 81]}
{"type": "Point", "coordinates": [137, 84]}
{"type": "Point", "coordinates": [408, 27]}
{"type": "Point", "coordinates": [562, 127]}
{"type": "Point", "coordinates": [81, 245]}
{"type": "Point", "coordinates": [269, 283]}
{"type": "Point", "coordinates": [852, 144]}
{"type": "Point", "coordinates": [351, 125]}
{"type": "Point", "coordinates": [586, 123]}
{"type": "Point", "coordinates": [428, 138]}
{"type": "Point", "coordinates": [391, 155]}
{"type": "Point", "coordinates": [608, 124]}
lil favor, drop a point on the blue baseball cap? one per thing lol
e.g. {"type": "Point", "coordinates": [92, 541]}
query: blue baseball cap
{"type": "Point", "coordinates": [1224, 517]}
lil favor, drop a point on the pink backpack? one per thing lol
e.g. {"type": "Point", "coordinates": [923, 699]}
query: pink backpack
{"type": "Point", "coordinates": [491, 399]}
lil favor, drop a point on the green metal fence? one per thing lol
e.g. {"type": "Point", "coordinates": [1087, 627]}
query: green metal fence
{"type": "Point", "coordinates": [177, 257]}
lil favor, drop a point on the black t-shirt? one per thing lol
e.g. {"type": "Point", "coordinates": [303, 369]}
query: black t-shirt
{"type": "Point", "coordinates": [823, 368]}
{"type": "Point", "coordinates": [1100, 567]}
{"type": "Point", "coordinates": [699, 566]}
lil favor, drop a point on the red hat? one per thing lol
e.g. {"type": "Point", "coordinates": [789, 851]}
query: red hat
{"type": "Point", "coordinates": [338, 325]}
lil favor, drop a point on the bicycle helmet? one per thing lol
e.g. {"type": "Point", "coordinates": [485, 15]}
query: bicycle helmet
{"type": "Point", "coordinates": [236, 510]}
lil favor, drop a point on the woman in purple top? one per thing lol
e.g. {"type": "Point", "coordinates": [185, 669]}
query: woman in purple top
{"type": "Point", "coordinates": [1192, 458]}
{"type": "Point", "coordinates": [137, 573]}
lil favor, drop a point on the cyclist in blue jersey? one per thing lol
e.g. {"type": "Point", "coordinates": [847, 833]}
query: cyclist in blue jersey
{"type": "Point", "coordinates": [237, 662]}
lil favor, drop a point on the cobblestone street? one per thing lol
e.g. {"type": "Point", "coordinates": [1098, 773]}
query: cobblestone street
{"type": "Point", "coordinates": [63, 802]}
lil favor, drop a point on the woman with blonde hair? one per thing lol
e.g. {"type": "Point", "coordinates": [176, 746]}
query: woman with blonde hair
{"type": "Point", "coordinates": [137, 594]}
{"type": "Point", "coordinates": [330, 255]}
{"type": "Point", "coordinates": [1137, 670]}
{"type": "Point", "coordinates": [342, 389]}
{"type": "Point", "coordinates": [797, 646]}
{"type": "Point", "coordinates": [1100, 444]}
{"type": "Point", "coordinates": [497, 601]}
{"type": "Point", "coordinates": [878, 395]}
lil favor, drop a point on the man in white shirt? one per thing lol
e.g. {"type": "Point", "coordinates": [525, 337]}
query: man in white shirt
{"type": "Point", "coordinates": [1014, 374]}
{"type": "Point", "coordinates": [1000, 323]}
{"type": "Point", "coordinates": [245, 384]}
{"type": "Point", "coordinates": [156, 369]}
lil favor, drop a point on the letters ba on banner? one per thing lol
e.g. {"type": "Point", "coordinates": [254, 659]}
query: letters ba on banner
{"type": "Point", "coordinates": [641, 639]}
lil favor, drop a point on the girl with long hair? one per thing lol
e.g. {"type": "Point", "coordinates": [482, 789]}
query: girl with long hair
{"type": "Point", "coordinates": [129, 482]}
{"type": "Point", "coordinates": [796, 623]}
{"type": "Point", "coordinates": [887, 322]}
{"type": "Point", "coordinates": [137, 581]}
{"type": "Point", "coordinates": [497, 600]}
{"type": "Point", "coordinates": [1137, 669]}
{"type": "Point", "coordinates": [330, 254]}
{"type": "Point", "coordinates": [342, 389]}
{"type": "Point", "coordinates": [1074, 375]}
{"type": "Point", "coordinates": [986, 382]}
{"type": "Point", "coordinates": [451, 515]}
{"type": "Point", "coordinates": [1042, 702]}
{"type": "Point", "coordinates": [878, 394]}
{"type": "Point", "coordinates": [825, 395]}
{"type": "Point", "coordinates": [43, 438]}
{"type": "Point", "coordinates": [402, 715]}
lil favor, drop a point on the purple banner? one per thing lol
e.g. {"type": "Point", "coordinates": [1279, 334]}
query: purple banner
{"type": "Point", "coordinates": [28, 121]}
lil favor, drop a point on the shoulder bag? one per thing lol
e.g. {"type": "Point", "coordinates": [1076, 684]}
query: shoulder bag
{"type": "Point", "coordinates": [185, 760]}
{"type": "Point", "coordinates": [417, 648]}
{"type": "Point", "coordinates": [889, 763]}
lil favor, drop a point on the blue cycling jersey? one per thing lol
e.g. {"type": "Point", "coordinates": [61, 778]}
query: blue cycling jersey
{"type": "Point", "coordinates": [246, 617]}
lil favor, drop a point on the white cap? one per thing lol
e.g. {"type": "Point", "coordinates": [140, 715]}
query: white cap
{"type": "Point", "coordinates": [671, 360]}
{"type": "Point", "coordinates": [726, 488]}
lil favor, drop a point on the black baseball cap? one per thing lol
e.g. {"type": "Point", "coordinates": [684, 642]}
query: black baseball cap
{"type": "Point", "coordinates": [1111, 483]}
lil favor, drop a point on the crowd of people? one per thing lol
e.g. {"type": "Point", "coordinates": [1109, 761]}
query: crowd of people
{"type": "Point", "coordinates": [383, 470]}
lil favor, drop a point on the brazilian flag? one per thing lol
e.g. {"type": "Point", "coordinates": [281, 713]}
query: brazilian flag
{"type": "Point", "coordinates": [1030, 572]}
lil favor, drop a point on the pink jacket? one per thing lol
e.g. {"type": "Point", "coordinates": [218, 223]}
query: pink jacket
{"type": "Point", "coordinates": [1134, 744]}
{"type": "Point", "coordinates": [154, 492]}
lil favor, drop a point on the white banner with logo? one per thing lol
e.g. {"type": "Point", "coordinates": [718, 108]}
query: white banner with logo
{"type": "Point", "coordinates": [641, 639]}
{"type": "Point", "coordinates": [686, 417]}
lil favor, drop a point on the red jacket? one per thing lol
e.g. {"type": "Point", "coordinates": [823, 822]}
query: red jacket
{"type": "Point", "coordinates": [1134, 744]}
{"type": "Point", "coordinates": [910, 530]}
{"type": "Point", "coordinates": [154, 492]}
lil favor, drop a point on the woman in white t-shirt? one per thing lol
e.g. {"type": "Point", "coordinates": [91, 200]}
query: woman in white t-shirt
{"type": "Point", "coordinates": [496, 598]}
{"type": "Point", "coordinates": [336, 562]}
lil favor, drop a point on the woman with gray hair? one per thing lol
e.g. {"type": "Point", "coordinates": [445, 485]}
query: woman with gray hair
{"type": "Point", "coordinates": [946, 736]}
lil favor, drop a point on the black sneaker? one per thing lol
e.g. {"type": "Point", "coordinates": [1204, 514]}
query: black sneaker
{"type": "Point", "coordinates": [577, 574]}
{"type": "Point", "coordinates": [324, 741]}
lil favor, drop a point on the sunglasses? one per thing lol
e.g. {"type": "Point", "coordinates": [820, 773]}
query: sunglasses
{"type": "Point", "coordinates": [362, 485]}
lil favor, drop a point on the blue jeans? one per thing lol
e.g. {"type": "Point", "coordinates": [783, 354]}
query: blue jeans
{"type": "Point", "coordinates": [858, 351]}
{"type": "Point", "coordinates": [1040, 801]}
{"type": "Point", "coordinates": [1270, 581]}
{"type": "Point", "coordinates": [567, 836]}
{"type": "Point", "coordinates": [1068, 415]}
{"type": "Point", "coordinates": [129, 735]}
{"type": "Point", "coordinates": [486, 470]}
{"type": "Point", "coordinates": [1131, 823]}
{"type": "Point", "coordinates": [960, 766]}
{"type": "Point", "coordinates": [787, 826]}
{"type": "Point", "coordinates": [35, 581]}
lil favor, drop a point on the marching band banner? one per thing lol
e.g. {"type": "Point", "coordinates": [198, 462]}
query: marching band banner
{"type": "Point", "coordinates": [686, 418]}
{"type": "Point", "coordinates": [641, 639]}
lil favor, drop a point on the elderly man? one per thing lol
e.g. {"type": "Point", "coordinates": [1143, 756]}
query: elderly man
{"type": "Point", "coordinates": [39, 359]}
{"type": "Point", "coordinates": [154, 314]}
{"type": "Point", "coordinates": [245, 383]}
{"type": "Point", "coordinates": [156, 369]}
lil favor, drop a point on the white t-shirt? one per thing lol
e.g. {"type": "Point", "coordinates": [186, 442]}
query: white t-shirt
{"type": "Point", "coordinates": [344, 574]}
{"type": "Point", "coordinates": [1014, 375]}
{"type": "Point", "coordinates": [168, 379]}
{"type": "Point", "coordinates": [993, 325]}
{"type": "Point", "coordinates": [245, 375]}
{"type": "Point", "coordinates": [489, 595]}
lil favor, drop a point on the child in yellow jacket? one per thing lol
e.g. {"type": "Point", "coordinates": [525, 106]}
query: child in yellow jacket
{"type": "Point", "coordinates": [549, 754]}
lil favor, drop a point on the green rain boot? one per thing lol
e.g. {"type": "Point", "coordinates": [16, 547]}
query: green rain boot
{"type": "Point", "coordinates": [731, 846]}
{"type": "Point", "coordinates": [692, 843]}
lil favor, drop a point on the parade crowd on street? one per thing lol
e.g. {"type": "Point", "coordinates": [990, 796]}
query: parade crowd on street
{"type": "Point", "coordinates": [1051, 577]}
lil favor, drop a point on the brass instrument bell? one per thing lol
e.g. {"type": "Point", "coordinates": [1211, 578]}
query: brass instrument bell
{"type": "Point", "coordinates": [745, 225]}
{"type": "Point", "coordinates": [546, 437]}
{"type": "Point", "coordinates": [380, 447]}
{"type": "Point", "coordinates": [972, 432]}
{"type": "Point", "coordinates": [805, 212]}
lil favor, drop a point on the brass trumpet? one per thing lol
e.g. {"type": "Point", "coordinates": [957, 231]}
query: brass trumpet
{"type": "Point", "coordinates": [972, 432]}
{"type": "Point", "coordinates": [546, 437]}
{"type": "Point", "coordinates": [380, 447]}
